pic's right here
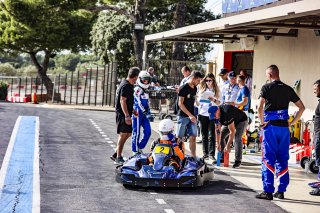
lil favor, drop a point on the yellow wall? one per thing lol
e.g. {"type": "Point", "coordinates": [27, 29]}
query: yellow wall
{"type": "Point", "coordinates": [297, 58]}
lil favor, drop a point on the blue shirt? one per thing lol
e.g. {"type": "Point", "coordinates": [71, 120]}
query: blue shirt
{"type": "Point", "coordinates": [244, 92]}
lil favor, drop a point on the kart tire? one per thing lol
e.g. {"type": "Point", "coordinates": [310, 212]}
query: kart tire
{"type": "Point", "coordinates": [313, 167]}
{"type": "Point", "coordinates": [163, 116]}
{"type": "Point", "coordinates": [303, 161]}
{"type": "Point", "coordinates": [168, 117]}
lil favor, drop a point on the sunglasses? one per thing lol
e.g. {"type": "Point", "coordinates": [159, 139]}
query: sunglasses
{"type": "Point", "coordinates": [208, 80]}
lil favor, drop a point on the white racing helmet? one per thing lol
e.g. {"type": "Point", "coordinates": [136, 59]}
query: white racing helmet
{"type": "Point", "coordinates": [166, 126]}
{"type": "Point", "coordinates": [144, 75]}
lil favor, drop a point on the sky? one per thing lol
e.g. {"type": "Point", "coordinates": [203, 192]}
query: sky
{"type": "Point", "coordinates": [215, 6]}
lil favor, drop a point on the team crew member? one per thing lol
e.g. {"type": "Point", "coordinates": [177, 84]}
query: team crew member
{"type": "Point", "coordinates": [230, 91]}
{"type": "Point", "coordinates": [141, 113]}
{"type": "Point", "coordinates": [186, 72]}
{"type": "Point", "coordinates": [166, 129]}
{"type": "Point", "coordinates": [243, 98]}
{"type": "Point", "coordinates": [316, 88]}
{"type": "Point", "coordinates": [154, 78]}
{"type": "Point", "coordinates": [208, 95]}
{"type": "Point", "coordinates": [248, 79]}
{"type": "Point", "coordinates": [187, 122]}
{"type": "Point", "coordinates": [124, 109]}
{"type": "Point", "coordinates": [234, 122]}
{"type": "Point", "coordinates": [275, 98]}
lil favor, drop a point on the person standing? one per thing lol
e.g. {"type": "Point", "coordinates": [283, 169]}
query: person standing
{"type": "Point", "coordinates": [208, 95]}
{"type": "Point", "coordinates": [124, 109]}
{"type": "Point", "coordinates": [187, 122]}
{"type": "Point", "coordinates": [186, 72]}
{"type": "Point", "coordinates": [243, 100]}
{"type": "Point", "coordinates": [230, 91]}
{"type": "Point", "coordinates": [248, 79]}
{"type": "Point", "coordinates": [316, 89]}
{"type": "Point", "coordinates": [273, 114]}
{"type": "Point", "coordinates": [141, 112]}
{"type": "Point", "coordinates": [154, 78]}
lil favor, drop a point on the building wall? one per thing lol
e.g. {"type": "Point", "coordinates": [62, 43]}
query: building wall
{"type": "Point", "coordinates": [297, 58]}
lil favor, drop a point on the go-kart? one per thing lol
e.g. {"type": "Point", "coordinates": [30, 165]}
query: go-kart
{"type": "Point", "coordinates": [138, 171]}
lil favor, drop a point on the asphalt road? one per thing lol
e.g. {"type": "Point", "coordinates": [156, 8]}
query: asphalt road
{"type": "Point", "coordinates": [78, 176]}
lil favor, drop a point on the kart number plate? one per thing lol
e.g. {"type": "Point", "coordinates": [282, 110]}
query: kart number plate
{"type": "Point", "coordinates": [161, 150]}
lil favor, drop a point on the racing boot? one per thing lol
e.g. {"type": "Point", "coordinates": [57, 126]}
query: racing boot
{"type": "Point", "coordinates": [315, 192]}
{"type": "Point", "coordinates": [114, 156]}
{"type": "Point", "coordinates": [265, 196]}
{"type": "Point", "coordinates": [119, 161]}
{"type": "Point", "coordinates": [279, 195]}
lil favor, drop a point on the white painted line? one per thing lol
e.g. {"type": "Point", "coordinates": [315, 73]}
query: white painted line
{"type": "Point", "coordinates": [6, 158]}
{"type": "Point", "coordinates": [109, 141]}
{"type": "Point", "coordinates": [107, 138]}
{"type": "Point", "coordinates": [153, 193]}
{"type": "Point", "coordinates": [112, 145]}
{"type": "Point", "coordinates": [104, 135]}
{"type": "Point", "coordinates": [161, 201]}
{"type": "Point", "coordinates": [115, 149]}
{"type": "Point", "coordinates": [169, 211]}
{"type": "Point", "coordinates": [36, 172]}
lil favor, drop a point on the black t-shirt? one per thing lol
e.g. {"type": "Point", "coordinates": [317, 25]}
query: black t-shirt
{"type": "Point", "coordinates": [125, 89]}
{"type": "Point", "coordinates": [278, 95]}
{"type": "Point", "coordinates": [317, 120]}
{"type": "Point", "coordinates": [229, 114]}
{"type": "Point", "coordinates": [189, 97]}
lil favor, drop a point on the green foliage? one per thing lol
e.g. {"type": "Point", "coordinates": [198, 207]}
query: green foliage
{"type": "Point", "coordinates": [7, 69]}
{"type": "Point", "coordinates": [57, 71]}
{"type": "Point", "coordinates": [35, 25]}
{"type": "Point", "coordinates": [111, 39]}
{"type": "Point", "coordinates": [3, 90]}
{"type": "Point", "coordinates": [112, 32]}
{"type": "Point", "coordinates": [27, 71]}
{"type": "Point", "coordinates": [68, 61]}
{"type": "Point", "coordinates": [161, 19]}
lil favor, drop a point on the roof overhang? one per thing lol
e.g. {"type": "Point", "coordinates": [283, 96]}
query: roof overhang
{"type": "Point", "coordinates": [283, 20]}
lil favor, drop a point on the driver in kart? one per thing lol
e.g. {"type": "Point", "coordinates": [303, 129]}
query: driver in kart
{"type": "Point", "coordinates": [166, 129]}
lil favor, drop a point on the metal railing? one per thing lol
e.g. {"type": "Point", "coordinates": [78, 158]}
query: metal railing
{"type": "Point", "coordinates": [95, 86]}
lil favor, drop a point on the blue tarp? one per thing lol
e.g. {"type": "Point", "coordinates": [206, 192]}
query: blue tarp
{"type": "Point", "coordinates": [230, 6]}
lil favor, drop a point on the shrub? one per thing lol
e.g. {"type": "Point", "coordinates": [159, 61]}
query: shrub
{"type": "Point", "coordinates": [3, 90]}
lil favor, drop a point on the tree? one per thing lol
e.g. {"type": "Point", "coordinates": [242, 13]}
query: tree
{"type": "Point", "coordinates": [44, 27]}
{"type": "Point", "coordinates": [7, 69]}
{"type": "Point", "coordinates": [67, 61]}
{"type": "Point", "coordinates": [160, 15]}
{"type": "Point", "coordinates": [111, 39]}
{"type": "Point", "coordinates": [136, 12]}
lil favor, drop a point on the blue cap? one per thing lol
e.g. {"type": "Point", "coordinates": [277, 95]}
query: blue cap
{"type": "Point", "coordinates": [232, 74]}
{"type": "Point", "coordinates": [212, 111]}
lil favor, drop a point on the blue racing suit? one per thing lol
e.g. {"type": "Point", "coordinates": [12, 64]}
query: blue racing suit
{"type": "Point", "coordinates": [141, 111]}
{"type": "Point", "coordinates": [275, 152]}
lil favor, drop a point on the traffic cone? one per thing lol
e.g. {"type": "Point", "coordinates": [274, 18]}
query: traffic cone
{"type": "Point", "coordinates": [226, 159]}
{"type": "Point", "coordinates": [34, 98]}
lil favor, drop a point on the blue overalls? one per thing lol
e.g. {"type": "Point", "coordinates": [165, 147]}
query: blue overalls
{"type": "Point", "coordinates": [141, 107]}
{"type": "Point", "coordinates": [275, 152]}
